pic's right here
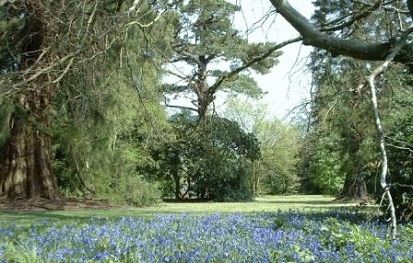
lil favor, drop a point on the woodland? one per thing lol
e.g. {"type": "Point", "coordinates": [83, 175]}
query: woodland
{"type": "Point", "coordinates": [87, 107]}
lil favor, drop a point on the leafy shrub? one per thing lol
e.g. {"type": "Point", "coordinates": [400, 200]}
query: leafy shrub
{"type": "Point", "coordinates": [209, 160]}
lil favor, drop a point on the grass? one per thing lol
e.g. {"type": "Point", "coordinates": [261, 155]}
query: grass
{"type": "Point", "coordinates": [261, 204]}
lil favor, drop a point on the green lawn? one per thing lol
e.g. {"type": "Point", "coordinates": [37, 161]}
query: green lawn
{"type": "Point", "coordinates": [261, 204]}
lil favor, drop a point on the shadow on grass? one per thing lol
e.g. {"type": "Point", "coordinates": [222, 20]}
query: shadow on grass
{"type": "Point", "coordinates": [304, 202]}
{"type": "Point", "coordinates": [9, 216]}
{"type": "Point", "coordinates": [30, 217]}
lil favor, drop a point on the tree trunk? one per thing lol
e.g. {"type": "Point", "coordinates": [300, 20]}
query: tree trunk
{"type": "Point", "coordinates": [177, 184]}
{"type": "Point", "coordinates": [25, 164]}
{"type": "Point", "coordinates": [354, 185]}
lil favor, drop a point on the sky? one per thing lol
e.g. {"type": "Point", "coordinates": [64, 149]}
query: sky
{"type": "Point", "coordinates": [288, 83]}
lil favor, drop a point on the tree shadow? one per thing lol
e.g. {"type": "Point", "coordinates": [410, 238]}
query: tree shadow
{"type": "Point", "coordinates": [304, 202]}
{"type": "Point", "coordinates": [10, 216]}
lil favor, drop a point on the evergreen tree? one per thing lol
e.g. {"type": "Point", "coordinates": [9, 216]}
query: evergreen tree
{"type": "Point", "coordinates": [211, 55]}
{"type": "Point", "coordinates": [341, 110]}
{"type": "Point", "coordinates": [68, 59]}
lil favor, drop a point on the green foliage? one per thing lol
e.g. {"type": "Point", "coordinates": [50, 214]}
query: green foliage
{"type": "Point", "coordinates": [278, 166]}
{"type": "Point", "coordinates": [343, 141]}
{"type": "Point", "coordinates": [342, 234]}
{"type": "Point", "coordinates": [209, 160]}
{"type": "Point", "coordinates": [344, 114]}
{"type": "Point", "coordinates": [210, 50]}
{"type": "Point", "coordinates": [10, 23]}
{"type": "Point", "coordinates": [275, 171]}
{"type": "Point", "coordinates": [209, 25]}
{"type": "Point", "coordinates": [243, 84]}
{"type": "Point", "coordinates": [107, 111]}
{"type": "Point", "coordinates": [15, 253]}
{"type": "Point", "coordinates": [400, 152]}
{"type": "Point", "coordinates": [326, 167]}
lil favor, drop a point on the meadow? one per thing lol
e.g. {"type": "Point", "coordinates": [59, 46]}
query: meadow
{"type": "Point", "coordinates": [271, 229]}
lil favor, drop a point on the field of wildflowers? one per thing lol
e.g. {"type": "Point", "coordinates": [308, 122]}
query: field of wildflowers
{"type": "Point", "coordinates": [233, 237]}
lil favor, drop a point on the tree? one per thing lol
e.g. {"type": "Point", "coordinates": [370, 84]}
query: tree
{"type": "Point", "coordinates": [275, 172]}
{"type": "Point", "coordinates": [205, 44]}
{"type": "Point", "coordinates": [340, 130]}
{"type": "Point", "coordinates": [53, 49]}
{"type": "Point", "coordinates": [397, 49]}
{"type": "Point", "coordinates": [25, 169]}
{"type": "Point", "coordinates": [208, 160]}
{"type": "Point", "coordinates": [339, 108]}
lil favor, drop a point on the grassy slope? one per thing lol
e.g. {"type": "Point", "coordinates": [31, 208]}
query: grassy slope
{"type": "Point", "coordinates": [261, 204]}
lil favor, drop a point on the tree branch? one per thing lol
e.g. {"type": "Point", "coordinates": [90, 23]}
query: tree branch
{"type": "Point", "coordinates": [178, 107]}
{"type": "Point", "coordinates": [400, 147]}
{"type": "Point", "coordinates": [336, 46]}
{"type": "Point", "coordinates": [354, 18]}
{"type": "Point", "coordinates": [371, 81]}
{"type": "Point", "coordinates": [248, 64]}
{"type": "Point", "coordinates": [189, 57]}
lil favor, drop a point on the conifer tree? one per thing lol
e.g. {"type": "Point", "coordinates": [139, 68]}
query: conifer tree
{"type": "Point", "coordinates": [48, 48]}
{"type": "Point", "coordinates": [213, 55]}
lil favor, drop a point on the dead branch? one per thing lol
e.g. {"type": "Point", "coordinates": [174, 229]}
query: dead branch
{"type": "Point", "coordinates": [371, 79]}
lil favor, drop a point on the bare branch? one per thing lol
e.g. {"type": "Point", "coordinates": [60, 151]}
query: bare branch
{"type": "Point", "coordinates": [178, 107]}
{"type": "Point", "coordinates": [400, 147]}
{"type": "Point", "coordinates": [158, 16]}
{"type": "Point", "coordinates": [402, 185]}
{"type": "Point", "coordinates": [189, 57]}
{"type": "Point", "coordinates": [382, 142]}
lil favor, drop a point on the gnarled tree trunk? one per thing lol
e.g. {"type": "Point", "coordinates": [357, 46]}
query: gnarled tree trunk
{"type": "Point", "coordinates": [25, 164]}
{"type": "Point", "coordinates": [354, 187]}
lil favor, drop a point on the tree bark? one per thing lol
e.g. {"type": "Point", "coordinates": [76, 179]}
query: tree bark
{"type": "Point", "coordinates": [25, 163]}
{"type": "Point", "coordinates": [354, 187]}
{"type": "Point", "coordinates": [177, 184]}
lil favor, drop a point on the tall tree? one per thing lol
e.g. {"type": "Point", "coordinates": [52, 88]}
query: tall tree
{"type": "Point", "coordinates": [51, 43]}
{"type": "Point", "coordinates": [379, 46]}
{"type": "Point", "coordinates": [211, 55]}
{"type": "Point", "coordinates": [275, 172]}
{"type": "Point", "coordinates": [340, 109]}
{"type": "Point", "coordinates": [207, 160]}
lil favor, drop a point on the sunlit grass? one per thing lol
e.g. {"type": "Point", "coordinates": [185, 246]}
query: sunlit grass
{"type": "Point", "coordinates": [261, 204]}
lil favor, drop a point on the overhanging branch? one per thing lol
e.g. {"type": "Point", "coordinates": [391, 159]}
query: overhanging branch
{"type": "Point", "coordinates": [336, 46]}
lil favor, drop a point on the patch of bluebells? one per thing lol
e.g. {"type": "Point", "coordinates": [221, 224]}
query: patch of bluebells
{"type": "Point", "coordinates": [262, 237]}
